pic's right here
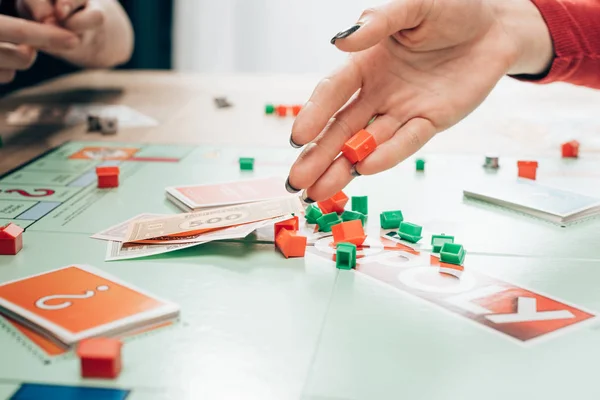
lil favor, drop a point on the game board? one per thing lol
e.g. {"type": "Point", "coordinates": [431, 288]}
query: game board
{"type": "Point", "coordinates": [257, 326]}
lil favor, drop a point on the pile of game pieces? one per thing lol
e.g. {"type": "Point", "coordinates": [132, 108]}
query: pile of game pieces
{"type": "Point", "coordinates": [347, 229]}
{"type": "Point", "coordinates": [283, 110]}
{"type": "Point", "coordinates": [451, 255]}
{"type": "Point", "coordinates": [346, 226]}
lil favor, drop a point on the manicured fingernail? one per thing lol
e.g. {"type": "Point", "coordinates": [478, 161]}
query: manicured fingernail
{"type": "Point", "coordinates": [294, 144]}
{"type": "Point", "coordinates": [346, 33]}
{"type": "Point", "coordinates": [354, 172]}
{"type": "Point", "coordinates": [289, 187]}
{"type": "Point", "coordinates": [306, 199]}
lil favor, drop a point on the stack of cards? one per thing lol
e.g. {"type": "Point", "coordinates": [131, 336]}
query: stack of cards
{"type": "Point", "coordinates": [77, 302]}
{"type": "Point", "coordinates": [196, 197]}
{"type": "Point", "coordinates": [553, 205]}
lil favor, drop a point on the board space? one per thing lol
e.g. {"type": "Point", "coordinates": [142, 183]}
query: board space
{"type": "Point", "coordinates": [255, 325]}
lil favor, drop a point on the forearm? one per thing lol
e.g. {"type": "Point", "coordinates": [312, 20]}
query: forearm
{"type": "Point", "coordinates": [108, 46]}
{"type": "Point", "coordinates": [571, 32]}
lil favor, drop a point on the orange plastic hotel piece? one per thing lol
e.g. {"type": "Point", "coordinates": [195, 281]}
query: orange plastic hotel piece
{"type": "Point", "coordinates": [11, 239]}
{"type": "Point", "coordinates": [108, 177]}
{"type": "Point", "coordinates": [281, 111]}
{"type": "Point", "coordinates": [527, 169]}
{"type": "Point", "coordinates": [337, 203]}
{"type": "Point", "coordinates": [359, 146]}
{"type": "Point", "coordinates": [100, 357]}
{"type": "Point", "coordinates": [296, 110]}
{"type": "Point", "coordinates": [290, 243]}
{"type": "Point", "coordinates": [570, 149]}
{"type": "Point", "coordinates": [292, 224]}
{"type": "Point", "coordinates": [350, 232]}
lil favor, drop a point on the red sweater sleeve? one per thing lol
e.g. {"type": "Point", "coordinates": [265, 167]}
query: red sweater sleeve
{"type": "Point", "coordinates": [575, 29]}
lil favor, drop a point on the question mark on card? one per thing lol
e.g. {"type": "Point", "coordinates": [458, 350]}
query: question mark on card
{"type": "Point", "coordinates": [41, 303]}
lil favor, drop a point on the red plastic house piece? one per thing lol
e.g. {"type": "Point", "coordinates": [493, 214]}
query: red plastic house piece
{"type": "Point", "coordinates": [337, 203]}
{"type": "Point", "coordinates": [527, 169]}
{"type": "Point", "coordinates": [290, 243]}
{"type": "Point", "coordinates": [11, 239]}
{"type": "Point", "coordinates": [108, 177]}
{"type": "Point", "coordinates": [296, 110]}
{"type": "Point", "coordinates": [292, 224]}
{"type": "Point", "coordinates": [570, 149]}
{"type": "Point", "coordinates": [281, 111]}
{"type": "Point", "coordinates": [350, 232]}
{"type": "Point", "coordinates": [359, 146]}
{"type": "Point", "coordinates": [100, 357]}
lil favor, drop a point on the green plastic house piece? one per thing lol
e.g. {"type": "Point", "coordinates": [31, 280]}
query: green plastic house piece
{"type": "Point", "coordinates": [246, 163]}
{"type": "Point", "coordinates": [360, 204]}
{"type": "Point", "coordinates": [327, 221]}
{"type": "Point", "coordinates": [453, 253]}
{"type": "Point", "coordinates": [345, 256]}
{"type": "Point", "coordinates": [420, 164]}
{"type": "Point", "coordinates": [269, 109]}
{"type": "Point", "coordinates": [353, 215]}
{"type": "Point", "coordinates": [437, 241]}
{"type": "Point", "coordinates": [313, 213]}
{"type": "Point", "coordinates": [391, 219]}
{"type": "Point", "coordinates": [410, 232]}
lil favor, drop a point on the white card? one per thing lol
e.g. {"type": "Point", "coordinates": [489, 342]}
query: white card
{"type": "Point", "coordinates": [545, 202]}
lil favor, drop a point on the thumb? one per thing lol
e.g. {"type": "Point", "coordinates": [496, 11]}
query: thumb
{"type": "Point", "coordinates": [376, 24]}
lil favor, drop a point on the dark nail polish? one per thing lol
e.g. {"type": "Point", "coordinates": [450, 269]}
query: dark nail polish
{"type": "Point", "coordinates": [345, 34]}
{"type": "Point", "coordinates": [307, 199]}
{"type": "Point", "coordinates": [354, 172]}
{"type": "Point", "coordinates": [289, 187]}
{"type": "Point", "coordinates": [294, 144]}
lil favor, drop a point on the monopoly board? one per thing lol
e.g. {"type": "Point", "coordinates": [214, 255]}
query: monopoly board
{"type": "Point", "coordinates": [521, 322]}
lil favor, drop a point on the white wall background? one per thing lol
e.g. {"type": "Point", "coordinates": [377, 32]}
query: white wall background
{"type": "Point", "coordinates": [261, 36]}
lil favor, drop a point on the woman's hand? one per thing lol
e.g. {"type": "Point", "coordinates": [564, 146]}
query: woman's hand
{"type": "Point", "coordinates": [420, 66]}
{"type": "Point", "coordinates": [102, 25]}
{"type": "Point", "coordinates": [20, 40]}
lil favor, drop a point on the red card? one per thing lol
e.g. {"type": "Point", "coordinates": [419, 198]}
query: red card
{"type": "Point", "coordinates": [229, 193]}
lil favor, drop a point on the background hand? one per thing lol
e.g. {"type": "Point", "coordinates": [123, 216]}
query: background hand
{"type": "Point", "coordinates": [76, 15]}
{"type": "Point", "coordinates": [106, 36]}
{"type": "Point", "coordinates": [20, 39]}
{"type": "Point", "coordinates": [419, 65]}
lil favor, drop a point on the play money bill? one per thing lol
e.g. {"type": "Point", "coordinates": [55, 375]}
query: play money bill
{"type": "Point", "coordinates": [118, 232]}
{"type": "Point", "coordinates": [233, 232]}
{"type": "Point", "coordinates": [204, 221]}
{"type": "Point", "coordinates": [116, 251]}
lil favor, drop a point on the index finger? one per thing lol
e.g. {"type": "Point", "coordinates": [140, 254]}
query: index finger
{"type": "Point", "coordinates": [20, 31]}
{"type": "Point", "coordinates": [329, 97]}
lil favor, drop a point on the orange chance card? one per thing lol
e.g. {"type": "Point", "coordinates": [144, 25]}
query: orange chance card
{"type": "Point", "coordinates": [77, 302]}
